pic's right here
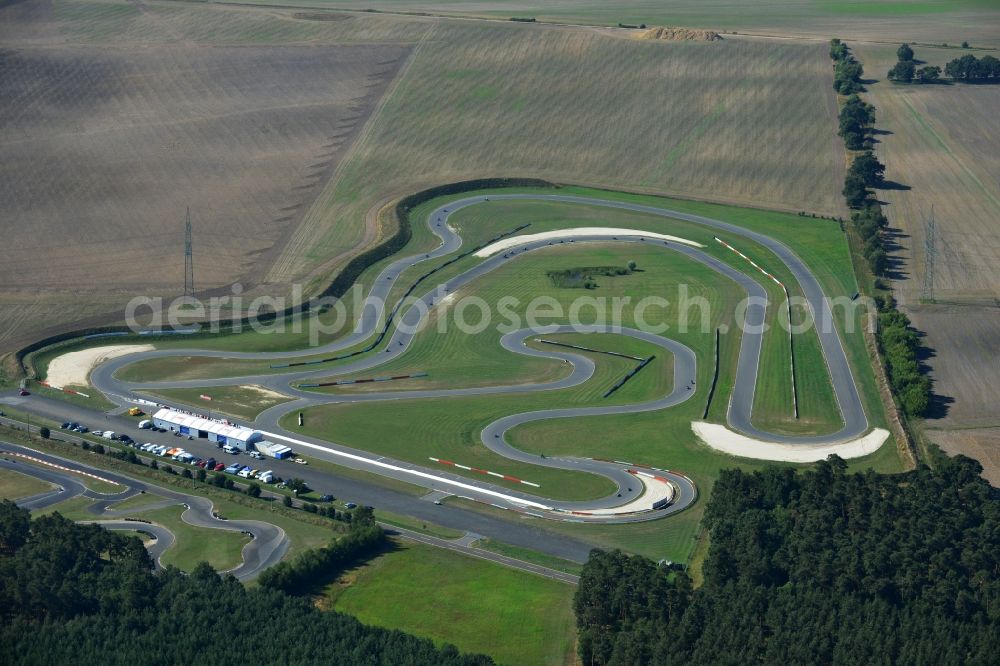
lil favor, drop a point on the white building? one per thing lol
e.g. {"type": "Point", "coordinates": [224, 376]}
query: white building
{"type": "Point", "coordinates": [199, 428]}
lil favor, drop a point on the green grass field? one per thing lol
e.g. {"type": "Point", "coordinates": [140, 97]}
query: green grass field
{"type": "Point", "coordinates": [14, 485]}
{"type": "Point", "coordinates": [73, 509]}
{"type": "Point", "coordinates": [244, 402]}
{"type": "Point", "coordinates": [528, 555]}
{"type": "Point", "coordinates": [513, 616]}
{"type": "Point", "coordinates": [137, 502]}
{"type": "Point", "coordinates": [220, 548]}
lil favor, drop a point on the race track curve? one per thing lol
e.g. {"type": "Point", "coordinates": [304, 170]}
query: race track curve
{"type": "Point", "coordinates": [391, 342]}
{"type": "Point", "coordinates": [268, 543]}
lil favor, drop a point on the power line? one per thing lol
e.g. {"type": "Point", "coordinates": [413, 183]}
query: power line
{"type": "Point", "coordinates": [188, 258]}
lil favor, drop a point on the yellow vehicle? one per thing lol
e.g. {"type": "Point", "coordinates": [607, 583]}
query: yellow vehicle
{"type": "Point", "coordinates": [135, 411]}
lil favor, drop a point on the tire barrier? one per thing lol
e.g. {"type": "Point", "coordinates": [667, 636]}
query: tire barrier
{"type": "Point", "coordinates": [715, 375]}
{"type": "Point", "coordinates": [588, 349]}
{"type": "Point", "coordinates": [635, 371]}
{"type": "Point", "coordinates": [348, 382]}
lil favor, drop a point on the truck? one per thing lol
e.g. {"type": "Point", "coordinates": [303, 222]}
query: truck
{"type": "Point", "coordinates": [135, 411]}
{"type": "Point", "coordinates": [145, 425]}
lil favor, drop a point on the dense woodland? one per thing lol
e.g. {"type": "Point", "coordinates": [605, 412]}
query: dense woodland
{"type": "Point", "coordinates": [820, 567]}
{"type": "Point", "coordinates": [79, 594]}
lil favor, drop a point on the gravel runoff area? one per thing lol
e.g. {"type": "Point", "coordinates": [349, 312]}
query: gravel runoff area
{"type": "Point", "coordinates": [578, 232]}
{"type": "Point", "coordinates": [723, 439]}
{"type": "Point", "coordinates": [74, 367]}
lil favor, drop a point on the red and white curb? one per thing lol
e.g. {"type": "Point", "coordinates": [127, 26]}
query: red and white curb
{"type": "Point", "coordinates": [64, 468]}
{"type": "Point", "coordinates": [63, 389]}
{"type": "Point", "coordinates": [505, 477]}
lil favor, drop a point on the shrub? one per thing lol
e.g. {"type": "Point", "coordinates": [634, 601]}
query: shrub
{"type": "Point", "coordinates": [44, 432]}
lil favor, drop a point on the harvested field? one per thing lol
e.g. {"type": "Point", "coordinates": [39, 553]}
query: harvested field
{"type": "Point", "coordinates": [109, 146]}
{"type": "Point", "coordinates": [932, 21]}
{"type": "Point", "coordinates": [740, 121]}
{"type": "Point", "coordinates": [103, 149]}
{"type": "Point", "coordinates": [944, 145]}
{"type": "Point", "coordinates": [942, 148]}
{"type": "Point", "coordinates": [965, 342]}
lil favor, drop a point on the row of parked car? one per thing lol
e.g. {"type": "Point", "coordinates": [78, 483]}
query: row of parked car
{"type": "Point", "coordinates": [208, 464]}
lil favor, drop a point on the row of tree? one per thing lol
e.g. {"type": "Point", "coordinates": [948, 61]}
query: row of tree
{"type": "Point", "coordinates": [817, 567]}
{"type": "Point", "coordinates": [847, 70]}
{"type": "Point", "coordinates": [79, 594]}
{"type": "Point", "coordinates": [870, 224]}
{"type": "Point", "coordinates": [865, 172]}
{"type": "Point", "coordinates": [302, 573]}
{"type": "Point", "coordinates": [900, 346]}
{"type": "Point", "coordinates": [971, 68]}
{"type": "Point", "coordinates": [856, 120]}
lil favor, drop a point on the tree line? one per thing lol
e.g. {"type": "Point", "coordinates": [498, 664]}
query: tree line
{"type": "Point", "coordinates": [79, 594]}
{"type": "Point", "coordinates": [965, 68]}
{"type": "Point", "coordinates": [898, 341]}
{"type": "Point", "coordinates": [971, 68]}
{"type": "Point", "coordinates": [816, 567]}
{"type": "Point", "coordinates": [847, 71]}
{"type": "Point", "coordinates": [900, 345]}
{"type": "Point", "coordinates": [302, 572]}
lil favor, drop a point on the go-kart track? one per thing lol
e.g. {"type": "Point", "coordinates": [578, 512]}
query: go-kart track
{"type": "Point", "coordinates": [641, 492]}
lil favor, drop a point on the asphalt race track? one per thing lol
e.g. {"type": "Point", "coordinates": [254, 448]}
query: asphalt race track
{"type": "Point", "coordinates": [397, 340]}
{"type": "Point", "coordinates": [268, 542]}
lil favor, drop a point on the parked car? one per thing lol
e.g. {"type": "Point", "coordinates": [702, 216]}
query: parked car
{"type": "Point", "coordinates": [219, 467]}
{"type": "Point", "coordinates": [65, 426]}
{"type": "Point", "coordinates": [233, 468]}
{"type": "Point", "coordinates": [244, 473]}
{"type": "Point", "coordinates": [266, 477]}
{"type": "Point", "coordinates": [256, 455]}
{"type": "Point", "coordinates": [231, 450]}
{"type": "Point", "coordinates": [351, 505]}
{"type": "Point", "coordinates": [108, 434]}
{"type": "Point", "coordinates": [301, 461]}
{"type": "Point", "coordinates": [327, 498]}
